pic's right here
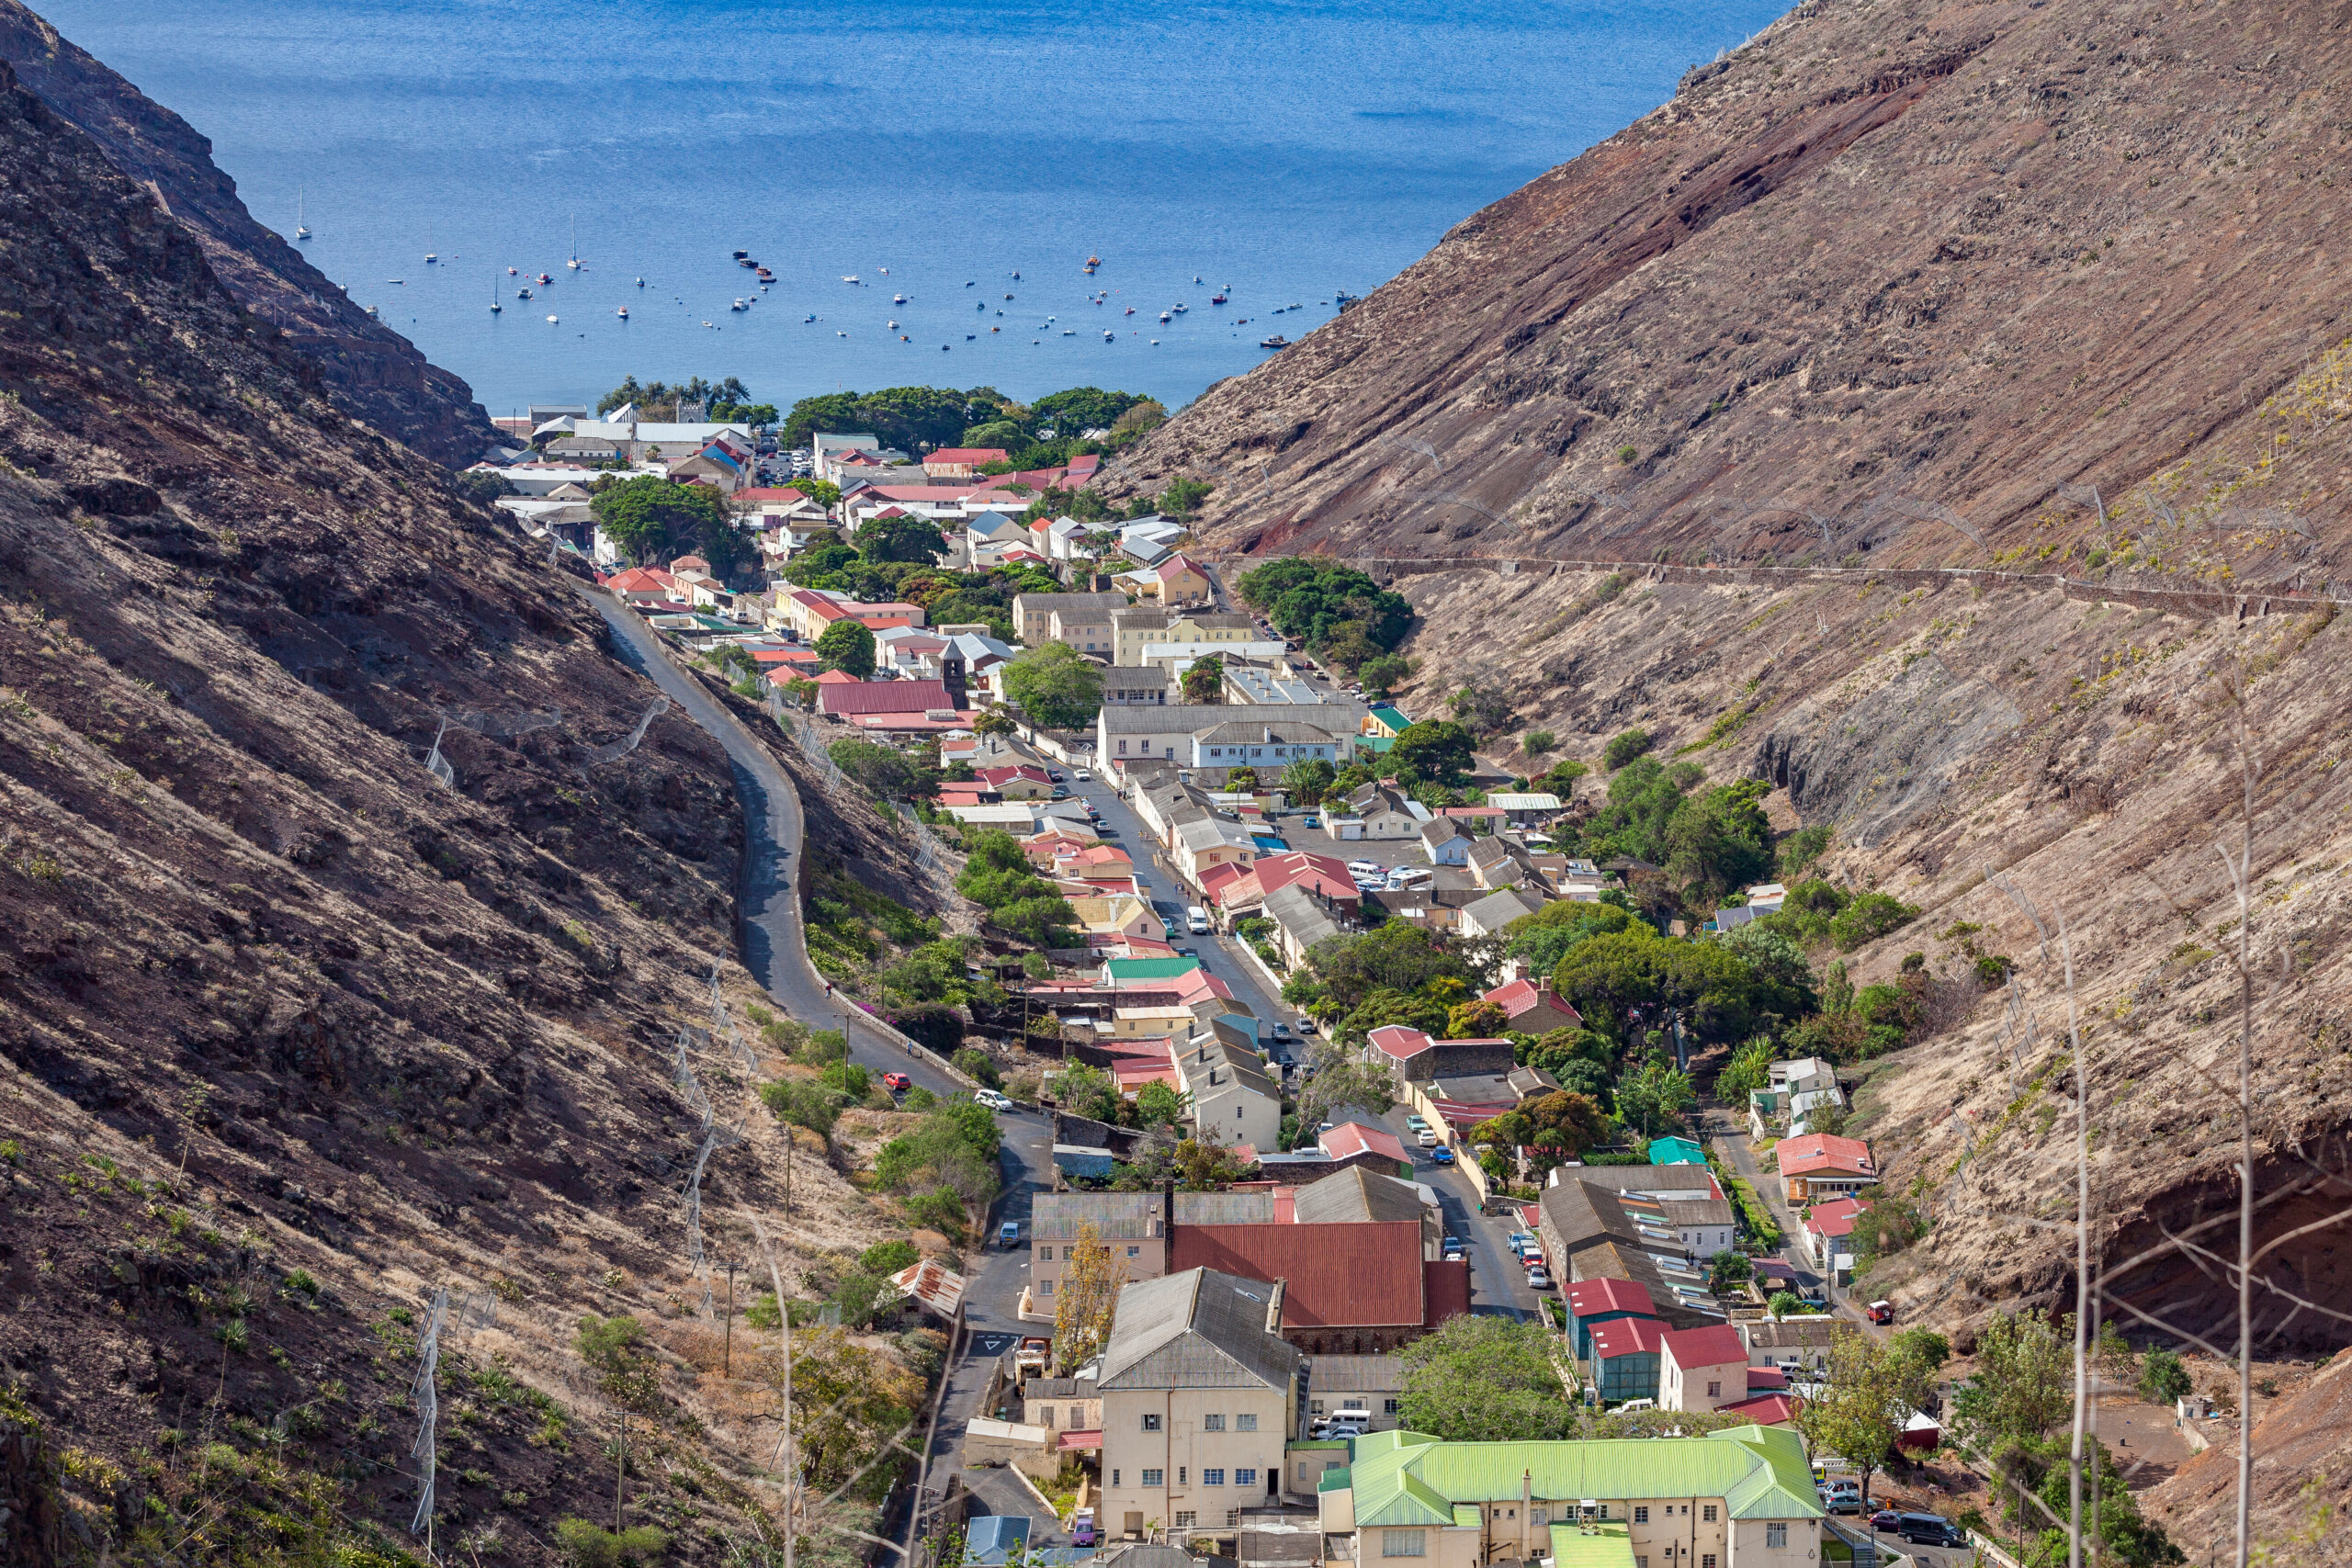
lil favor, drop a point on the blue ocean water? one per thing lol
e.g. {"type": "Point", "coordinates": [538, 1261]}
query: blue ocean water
{"type": "Point", "coordinates": [1284, 149]}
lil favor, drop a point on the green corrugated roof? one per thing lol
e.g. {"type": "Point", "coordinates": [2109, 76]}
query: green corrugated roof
{"type": "Point", "coordinates": [1333, 1479]}
{"type": "Point", "coordinates": [1607, 1547]}
{"type": "Point", "coordinates": [1375, 743]}
{"type": "Point", "coordinates": [1392, 715]}
{"type": "Point", "coordinates": [1466, 1515]}
{"type": "Point", "coordinates": [1150, 968]}
{"type": "Point", "coordinates": [1760, 1473]}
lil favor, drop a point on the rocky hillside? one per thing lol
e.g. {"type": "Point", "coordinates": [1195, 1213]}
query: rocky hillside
{"type": "Point", "coordinates": [368, 370]}
{"type": "Point", "coordinates": [1897, 280]}
{"type": "Point", "coordinates": [290, 1033]}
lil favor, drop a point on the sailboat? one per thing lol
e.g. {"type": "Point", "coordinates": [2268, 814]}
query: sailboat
{"type": "Point", "coordinates": [301, 230]}
{"type": "Point", "coordinates": [494, 306]}
{"type": "Point", "coordinates": [574, 263]}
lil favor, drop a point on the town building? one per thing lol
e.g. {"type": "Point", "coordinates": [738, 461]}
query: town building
{"type": "Point", "coordinates": [1822, 1165]}
{"type": "Point", "coordinates": [1743, 1497]}
{"type": "Point", "coordinates": [1200, 1393]}
{"type": "Point", "coordinates": [1702, 1369]}
{"type": "Point", "coordinates": [1033, 613]}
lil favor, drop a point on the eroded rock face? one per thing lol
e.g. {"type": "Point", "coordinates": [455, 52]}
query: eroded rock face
{"type": "Point", "coordinates": [1878, 766]}
{"type": "Point", "coordinates": [1879, 283]}
{"type": "Point", "coordinates": [370, 371]}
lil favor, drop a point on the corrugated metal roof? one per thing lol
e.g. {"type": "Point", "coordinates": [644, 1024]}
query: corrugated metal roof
{"type": "Point", "coordinates": [1760, 1472]}
{"type": "Point", "coordinates": [1334, 1276]}
{"type": "Point", "coordinates": [1124, 1216]}
{"type": "Point", "coordinates": [1356, 1374]}
{"type": "Point", "coordinates": [1255, 1206]}
{"type": "Point", "coordinates": [1196, 1329]}
{"type": "Point", "coordinates": [1356, 1194]}
{"type": "Point", "coordinates": [1597, 1546]}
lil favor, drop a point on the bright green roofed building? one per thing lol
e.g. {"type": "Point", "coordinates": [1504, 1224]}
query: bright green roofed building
{"type": "Point", "coordinates": [1129, 971]}
{"type": "Point", "coordinates": [1738, 1498]}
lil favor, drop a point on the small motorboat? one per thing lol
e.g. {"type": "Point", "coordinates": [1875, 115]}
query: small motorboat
{"type": "Point", "coordinates": [982, 304]}
{"type": "Point", "coordinates": [1008, 296]}
{"type": "Point", "coordinates": [898, 299]}
{"type": "Point", "coordinates": [885, 272]}
{"type": "Point", "coordinates": [640, 283]}
{"type": "Point", "coordinates": [522, 294]}
{"type": "Point", "coordinates": [1131, 309]}
{"type": "Point", "coordinates": [510, 272]}
{"type": "Point", "coordinates": [1163, 318]}
{"type": "Point", "coordinates": [740, 255]}
{"type": "Point", "coordinates": [1181, 309]}
{"type": "Point", "coordinates": [1277, 341]}
{"type": "Point", "coordinates": [971, 337]}
{"type": "Point", "coordinates": [1070, 332]}
{"type": "Point", "coordinates": [1218, 297]}
{"type": "Point", "coordinates": [969, 285]}
{"type": "Point", "coordinates": [1108, 336]}
{"type": "Point", "coordinates": [892, 325]}
{"type": "Point", "coordinates": [552, 320]}
{"type": "Point", "coordinates": [1155, 343]}
{"type": "Point", "coordinates": [737, 306]}
{"type": "Point", "coordinates": [622, 312]}
{"type": "Point", "coordinates": [431, 257]}
{"type": "Point", "coordinates": [545, 278]}
{"type": "Point", "coordinates": [394, 280]}
{"type": "Point", "coordinates": [765, 276]}
{"type": "Point", "coordinates": [849, 278]}
{"type": "Point", "coordinates": [809, 317]}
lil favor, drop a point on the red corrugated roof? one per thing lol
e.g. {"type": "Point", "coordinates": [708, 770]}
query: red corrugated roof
{"type": "Point", "coordinates": [1445, 1290]}
{"type": "Point", "coordinates": [885, 696]}
{"type": "Point", "coordinates": [1763, 1379]}
{"type": "Point", "coordinates": [1355, 1138]}
{"type": "Point", "coordinates": [1587, 1297]}
{"type": "Point", "coordinates": [1627, 1337]}
{"type": "Point", "coordinates": [1399, 1041]}
{"type": "Point", "coordinates": [1717, 1344]}
{"type": "Point", "coordinates": [1764, 1409]}
{"type": "Point", "coordinates": [1834, 1219]}
{"type": "Point", "coordinates": [1354, 1274]}
{"type": "Point", "coordinates": [1825, 1152]}
{"type": "Point", "coordinates": [975, 455]}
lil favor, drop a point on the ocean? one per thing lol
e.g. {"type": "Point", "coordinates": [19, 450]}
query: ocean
{"type": "Point", "coordinates": [968, 157]}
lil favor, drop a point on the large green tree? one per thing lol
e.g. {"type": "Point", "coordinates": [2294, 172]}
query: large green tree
{"type": "Point", "coordinates": [1307, 781]}
{"type": "Point", "coordinates": [1718, 840]}
{"type": "Point", "coordinates": [1435, 750]}
{"type": "Point", "coordinates": [1079, 409]}
{"type": "Point", "coordinates": [656, 521]}
{"type": "Point", "coordinates": [900, 539]}
{"type": "Point", "coordinates": [1872, 1387]}
{"type": "Point", "coordinates": [1486, 1379]}
{"type": "Point", "coordinates": [847, 645]}
{"type": "Point", "coordinates": [1055, 686]}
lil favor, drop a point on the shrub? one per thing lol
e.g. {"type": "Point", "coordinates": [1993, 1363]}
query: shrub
{"type": "Point", "coordinates": [1802, 848]}
{"type": "Point", "coordinates": [1535, 742]}
{"type": "Point", "coordinates": [1623, 747]}
{"type": "Point", "coordinates": [1869, 917]}
{"type": "Point", "coordinates": [587, 1546]}
{"type": "Point", "coordinates": [939, 1210]}
{"type": "Point", "coordinates": [802, 1104]}
{"type": "Point", "coordinates": [2163, 1379]}
{"type": "Point", "coordinates": [888, 1257]}
{"type": "Point", "coordinates": [1626, 454]}
{"type": "Point", "coordinates": [1885, 1228]}
{"type": "Point", "coordinates": [849, 1080]}
{"type": "Point", "coordinates": [979, 1063]}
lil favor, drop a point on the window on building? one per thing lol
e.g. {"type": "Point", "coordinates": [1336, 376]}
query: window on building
{"type": "Point", "coordinates": [1213, 1476]}
{"type": "Point", "coordinates": [1045, 1415]}
{"type": "Point", "coordinates": [1776, 1535]}
{"type": "Point", "coordinates": [1245, 1423]}
{"type": "Point", "coordinates": [1315, 1406]}
{"type": "Point", "coordinates": [1184, 1475]}
{"type": "Point", "coordinates": [1045, 1255]}
{"type": "Point", "coordinates": [1114, 1478]}
{"type": "Point", "coordinates": [1232, 1518]}
{"type": "Point", "coordinates": [1134, 1252]}
{"type": "Point", "coordinates": [1706, 1560]}
{"type": "Point", "coordinates": [1045, 1287]}
{"type": "Point", "coordinates": [1708, 1513]}
{"type": "Point", "coordinates": [1404, 1544]}
{"type": "Point", "coordinates": [1123, 748]}
{"type": "Point", "coordinates": [1642, 1514]}
{"type": "Point", "coordinates": [1245, 1478]}
{"type": "Point", "coordinates": [1155, 1478]}
{"type": "Point", "coordinates": [1150, 1424]}
{"type": "Point", "coordinates": [1715, 1388]}
{"type": "Point", "coordinates": [1212, 1423]}
{"type": "Point", "coordinates": [1389, 1406]}
{"type": "Point", "coordinates": [1186, 1519]}
{"type": "Point", "coordinates": [1604, 1510]}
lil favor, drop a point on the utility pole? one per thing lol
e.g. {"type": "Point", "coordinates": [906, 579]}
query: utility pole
{"type": "Point", "coordinates": [727, 1365]}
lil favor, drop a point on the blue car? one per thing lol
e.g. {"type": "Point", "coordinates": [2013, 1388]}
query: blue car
{"type": "Point", "coordinates": [1441, 1156]}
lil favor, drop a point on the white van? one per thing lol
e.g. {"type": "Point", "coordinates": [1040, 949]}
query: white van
{"type": "Point", "coordinates": [1198, 918]}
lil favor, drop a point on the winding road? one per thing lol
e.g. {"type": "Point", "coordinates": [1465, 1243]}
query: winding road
{"type": "Point", "coordinates": [775, 951]}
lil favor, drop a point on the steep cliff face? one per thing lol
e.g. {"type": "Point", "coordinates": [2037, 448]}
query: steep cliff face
{"type": "Point", "coordinates": [290, 1033]}
{"type": "Point", "coordinates": [366, 368]}
{"type": "Point", "coordinates": [1878, 284]}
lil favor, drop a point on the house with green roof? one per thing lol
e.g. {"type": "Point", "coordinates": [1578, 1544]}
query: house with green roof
{"type": "Point", "coordinates": [1387, 722]}
{"type": "Point", "coordinates": [1127, 971]}
{"type": "Point", "coordinates": [1743, 1497]}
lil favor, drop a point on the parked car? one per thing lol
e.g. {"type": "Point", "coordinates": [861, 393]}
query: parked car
{"type": "Point", "coordinates": [1522, 1238]}
{"type": "Point", "coordinates": [1441, 1156]}
{"type": "Point", "coordinates": [1008, 1233]}
{"type": "Point", "coordinates": [1885, 1520]}
{"type": "Point", "coordinates": [1539, 1278]}
{"type": "Point", "coordinates": [1928, 1530]}
{"type": "Point", "coordinates": [897, 1081]}
{"type": "Point", "coordinates": [1054, 775]}
{"type": "Point", "coordinates": [1313, 822]}
{"type": "Point", "coordinates": [1453, 1247]}
{"type": "Point", "coordinates": [1085, 775]}
{"type": "Point", "coordinates": [1413, 1120]}
{"type": "Point", "coordinates": [1342, 1429]}
{"type": "Point", "coordinates": [991, 1098]}
{"type": "Point", "coordinates": [1081, 1528]}
{"type": "Point", "coordinates": [1281, 1030]}
{"type": "Point", "coordinates": [1428, 1139]}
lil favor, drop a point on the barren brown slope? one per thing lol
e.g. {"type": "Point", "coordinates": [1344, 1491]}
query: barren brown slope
{"type": "Point", "coordinates": [290, 1034]}
{"type": "Point", "coordinates": [1890, 257]}
{"type": "Point", "coordinates": [371, 372]}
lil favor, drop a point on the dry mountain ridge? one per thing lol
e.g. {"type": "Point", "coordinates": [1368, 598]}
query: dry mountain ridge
{"type": "Point", "coordinates": [290, 1033]}
{"type": "Point", "coordinates": [1879, 282]}
{"type": "Point", "coordinates": [370, 371]}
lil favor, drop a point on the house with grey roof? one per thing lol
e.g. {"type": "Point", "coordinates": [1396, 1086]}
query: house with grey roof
{"type": "Point", "coordinates": [1200, 1393]}
{"type": "Point", "coordinates": [1229, 1093]}
{"type": "Point", "coordinates": [1300, 921]}
{"type": "Point", "coordinates": [1495, 911]}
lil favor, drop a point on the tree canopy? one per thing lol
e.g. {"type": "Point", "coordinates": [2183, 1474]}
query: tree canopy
{"type": "Point", "coordinates": [1314, 599]}
{"type": "Point", "coordinates": [1485, 1379]}
{"type": "Point", "coordinates": [1055, 686]}
{"type": "Point", "coordinates": [847, 645]}
{"type": "Point", "coordinates": [1438, 751]}
{"type": "Point", "coordinates": [655, 521]}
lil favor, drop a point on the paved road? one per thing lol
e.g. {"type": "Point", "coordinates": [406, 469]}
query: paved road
{"type": "Point", "coordinates": [776, 952]}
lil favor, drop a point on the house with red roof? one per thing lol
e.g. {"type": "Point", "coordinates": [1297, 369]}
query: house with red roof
{"type": "Point", "coordinates": [1244, 886]}
{"type": "Point", "coordinates": [1821, 1165]}
{"type": "Point", "coordinates": [1532, 1006]}
{"type": "Point", "coordinates": [1702, 1369]}
{"type": "Point", "coordinates": [1024, 782]}
{"type": "Point", "coordinates": [960, 462]}
{"type": "Point", "coordinates": [1416, 1057]}
{"type": "Point", "coordinates": [1595, 1301]}
{"type": "Point", "coordinates": [1350, 1287]}
{"type": "Point", "coordinates": [1352, 1138]}
{"type": "Point", "coordinates": [837, 678]}
{"type": "Point", "coordinates": [1625, 1355]}
{"type": "Point", "coordinates": [866, 699]}
{"type": "Point", "coordinates": [1826, 1232]}
{"type": "Point", "coordinates": [646, 585]}
{"type": "Point", "coordinates": [1766, 1409]}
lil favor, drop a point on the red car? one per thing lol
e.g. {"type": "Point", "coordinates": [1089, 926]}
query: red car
{"type": "Point", "coordinates": [895, 1081]}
